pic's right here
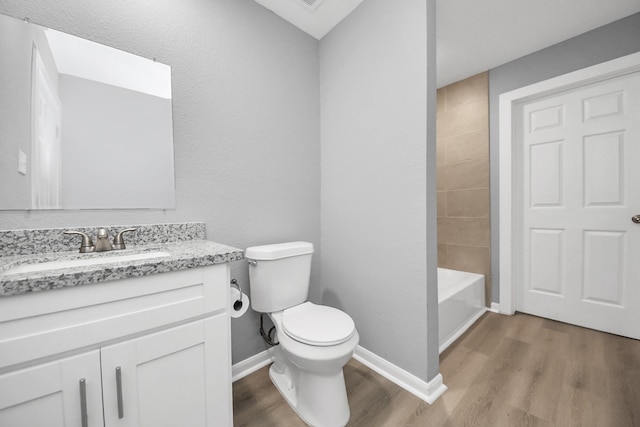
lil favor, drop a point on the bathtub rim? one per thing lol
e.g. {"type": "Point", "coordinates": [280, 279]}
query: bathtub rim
{"type": "Point", "coordinates": [467, 280]}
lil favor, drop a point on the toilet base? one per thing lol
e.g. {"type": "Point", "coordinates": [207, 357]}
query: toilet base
{"type": "Point", "coordinates": [319, 400]}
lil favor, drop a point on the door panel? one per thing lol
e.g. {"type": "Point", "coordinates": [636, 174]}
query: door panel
{"type": "Point", "coordinates": [546, 174]}
{"type": "Point", "coordinates": [603, 267]}
{"type": "Point", "coordinates": [46, 147]}
{"type": "Point", "coordinates": [580, 151]}
{"type": "Point", "coordinates": [604, 169]}
{"type": "Point", "coordinates": [546, 251]}
{"type": "Point", "coordinates": [179, 376]}
{"type": "Point", "coordinates": [48, 395]}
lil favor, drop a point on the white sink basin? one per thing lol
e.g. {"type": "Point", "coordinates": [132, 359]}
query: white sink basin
{"type": "Point", "coordinates": [83, 262]}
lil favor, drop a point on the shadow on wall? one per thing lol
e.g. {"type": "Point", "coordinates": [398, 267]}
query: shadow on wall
{"type": "Point", "coordinates": [332, 299]}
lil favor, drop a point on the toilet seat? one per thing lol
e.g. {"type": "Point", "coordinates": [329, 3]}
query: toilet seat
{"type": "Point", "coordinates": [317, 325]}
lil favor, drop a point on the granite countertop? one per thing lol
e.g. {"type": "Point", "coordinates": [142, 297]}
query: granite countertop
{"type": "Point", "coordinates": [180, 255]}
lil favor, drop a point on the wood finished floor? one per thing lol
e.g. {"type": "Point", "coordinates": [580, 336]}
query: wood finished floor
{"type": "Point", "coordinates": [516, 370]}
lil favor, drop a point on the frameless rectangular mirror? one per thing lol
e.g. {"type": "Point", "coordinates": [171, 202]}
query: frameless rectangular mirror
{"type": "Point", "coordinates": [82, 125]}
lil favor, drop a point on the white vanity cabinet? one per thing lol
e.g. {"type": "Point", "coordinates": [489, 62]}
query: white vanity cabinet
{"type": "Point", "coordinates": [48, 395]}
{"type": "Point", "coordinates": [169, 378]}
{"type": "Point", "coordinates": [150, 351]}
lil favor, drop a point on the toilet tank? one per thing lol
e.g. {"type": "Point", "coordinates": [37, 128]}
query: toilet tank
{"type": "Point", "coordinates": [279, 277]}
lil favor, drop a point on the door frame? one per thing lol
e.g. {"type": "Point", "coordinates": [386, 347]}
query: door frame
{"type": "Point", "coordinates": [41, 83]}
{"type": "Point", "coordinates": [510, 199]}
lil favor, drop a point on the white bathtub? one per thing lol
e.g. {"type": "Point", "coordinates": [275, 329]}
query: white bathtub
{"type": "Point", "coordinates": [460, 303]}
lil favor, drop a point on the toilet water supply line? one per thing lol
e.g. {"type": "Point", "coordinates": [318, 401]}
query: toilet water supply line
{"type": "Point", "coordinates": [267, 336]}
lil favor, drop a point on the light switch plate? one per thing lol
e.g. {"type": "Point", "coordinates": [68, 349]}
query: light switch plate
{"type": "Point", "coordinates": [22, 162]}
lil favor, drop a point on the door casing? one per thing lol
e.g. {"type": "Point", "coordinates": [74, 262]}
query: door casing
{"type": "Point", "coordinates": [509, 198]}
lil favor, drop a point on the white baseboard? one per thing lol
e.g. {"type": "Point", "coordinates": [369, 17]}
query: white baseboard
{"type": "Point", "coordinates": [462, 329]}
{"type": "Point", "coordinates": [427, 391]}
{"type": "Point", "coordinates": [250, 365]}
{"type": "Point", "coordinates": [495, 307]}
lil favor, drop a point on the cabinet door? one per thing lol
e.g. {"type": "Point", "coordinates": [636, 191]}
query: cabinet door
{"type": "Point", "coordinates": [176, 377]}
{"type": "Point", "coordinates": [49, 395]}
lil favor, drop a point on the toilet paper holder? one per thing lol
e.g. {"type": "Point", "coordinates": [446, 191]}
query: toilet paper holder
{"type": "Point", "coordinates": [237, 305]}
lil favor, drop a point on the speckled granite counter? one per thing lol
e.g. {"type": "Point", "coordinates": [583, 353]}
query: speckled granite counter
{"type": "Point", "coordinates": [179, 255]}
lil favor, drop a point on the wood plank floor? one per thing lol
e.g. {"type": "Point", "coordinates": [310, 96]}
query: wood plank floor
{"type": "Point", "coordinates": [516, 370]}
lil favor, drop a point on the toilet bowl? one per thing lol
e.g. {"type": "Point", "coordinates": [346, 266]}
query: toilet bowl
{"type": "Point", "coordinates": [315, 341]}
{"type": "Point", "coordinates": [310, 377]}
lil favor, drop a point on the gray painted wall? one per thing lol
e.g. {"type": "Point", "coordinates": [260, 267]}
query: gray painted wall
{"type": "Point", "coordinates": [433, 336]}
{"type": "Point", "coordinates": [378, 253]}
{"type": "Point", "coordinates": [246, 116]}
{"type": "Point", "coordinates": [602, 44]}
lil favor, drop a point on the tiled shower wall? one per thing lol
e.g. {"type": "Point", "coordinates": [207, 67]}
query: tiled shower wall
{"type": "Point", "coordinates": [463, 177]}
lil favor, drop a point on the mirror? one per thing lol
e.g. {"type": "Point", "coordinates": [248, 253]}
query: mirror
{"type": "Point", "coordinates": [82, 125]}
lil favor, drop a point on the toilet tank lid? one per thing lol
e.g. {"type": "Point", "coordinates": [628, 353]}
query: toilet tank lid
{"type": "Point", "coordinates": [279, 250]}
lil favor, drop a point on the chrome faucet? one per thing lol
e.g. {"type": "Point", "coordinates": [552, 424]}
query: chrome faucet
{"type": "Point", "coordinates": [102, 240]}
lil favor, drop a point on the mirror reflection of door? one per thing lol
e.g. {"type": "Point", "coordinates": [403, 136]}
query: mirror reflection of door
{"type": "Point", "coordinates": [67, 105]}
{"type": "Point", "coordinates": [46, 150]}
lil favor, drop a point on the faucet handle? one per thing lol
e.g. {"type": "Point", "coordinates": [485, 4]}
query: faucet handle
{"type": "Point", "coordinates": [87, 244]}
{"type": "Point", "coordinates": [118, 241]}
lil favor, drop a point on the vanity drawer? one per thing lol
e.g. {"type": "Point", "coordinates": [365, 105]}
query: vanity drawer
{"type": "Point", "coordinates": [43, 324]}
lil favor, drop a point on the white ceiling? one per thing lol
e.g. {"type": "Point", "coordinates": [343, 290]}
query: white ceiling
{"type": "Point", "coordinates": [314, 17]}
{"type": "Point", "coordinates": [475, 36]}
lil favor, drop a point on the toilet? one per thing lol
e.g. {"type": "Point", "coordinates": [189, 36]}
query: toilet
{"type": "Point", "coordinates": [315, 341]}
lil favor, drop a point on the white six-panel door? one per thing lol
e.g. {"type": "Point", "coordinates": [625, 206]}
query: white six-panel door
{"type": "Point", "coordinates": [579, 153]}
